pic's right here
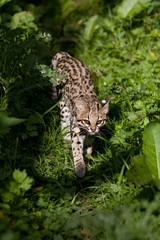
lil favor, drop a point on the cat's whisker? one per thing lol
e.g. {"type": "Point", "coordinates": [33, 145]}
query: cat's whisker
{"type": "Point", "coordinates": [102, 134]}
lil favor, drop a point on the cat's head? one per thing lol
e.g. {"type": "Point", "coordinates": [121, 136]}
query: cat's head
{"type": "Point", "coordinates": [91, 116]}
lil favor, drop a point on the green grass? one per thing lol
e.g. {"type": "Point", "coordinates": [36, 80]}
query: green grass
{"type": "Point", "coordinates": [44, 199]}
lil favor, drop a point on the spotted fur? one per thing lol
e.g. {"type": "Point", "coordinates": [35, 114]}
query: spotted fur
{"type": "Point", "coordinates": [82, 115]}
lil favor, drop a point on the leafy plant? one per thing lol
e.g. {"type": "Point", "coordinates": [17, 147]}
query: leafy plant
{"type": "Point", "coordinates": [131, 8]}
{"type": "Point", "coordinates": [16, 187]}
{"type": "Point", "coordinates": [90, 27]}
{"type": "Point", "coordinates": [151, 148]}
{"type": "Point", "coordinates": [147, 164]}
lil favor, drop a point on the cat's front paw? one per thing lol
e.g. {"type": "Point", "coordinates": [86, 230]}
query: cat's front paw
{"type": "Point", "coordinates": [80, 170]}
{"type": "Point", "coordinates": [89, 150]}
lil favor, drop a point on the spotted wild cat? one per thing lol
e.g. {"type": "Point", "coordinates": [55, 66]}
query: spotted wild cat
{"type": "Point", "coordinates": [82, 115]}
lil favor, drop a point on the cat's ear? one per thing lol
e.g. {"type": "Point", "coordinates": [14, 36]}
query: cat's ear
{"type": "Point", "coordinates": [105, 105]}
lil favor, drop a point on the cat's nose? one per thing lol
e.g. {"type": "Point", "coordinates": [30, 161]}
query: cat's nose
{"type": "Point", "coordinates": [93, 130]}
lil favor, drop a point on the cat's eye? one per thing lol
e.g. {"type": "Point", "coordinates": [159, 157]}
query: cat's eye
{"type": "Point", "coordinates": [99, 122]}
{"type": "Point", "coordinates": [87, 122]}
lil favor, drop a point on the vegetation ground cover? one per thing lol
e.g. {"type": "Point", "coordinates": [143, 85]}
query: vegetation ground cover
{"type": "Point", "coordinates": [40, 196]}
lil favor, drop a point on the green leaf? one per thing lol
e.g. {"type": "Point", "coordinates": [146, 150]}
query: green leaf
{"type": "Point", "coordinates": [26, 184]}
{"type": "Point", "coordinates": [2, 2]}
{"type": "Point", "coordinates": [139, 172]}
{"type": "Point", "coordinates": [151, 148]}
{"type": "Point", "coordinates": [7, 197]}
{"type": "Point", "coordinates": [19, 176]}
{"type": "Point", "coordinates": [7, 122]}
{"type": "Point", "coordinates": [90, 27]}
{"type": "Point", "coordinates": [130, 8]}
{"type": "Point", "coordinates": [14, 188]}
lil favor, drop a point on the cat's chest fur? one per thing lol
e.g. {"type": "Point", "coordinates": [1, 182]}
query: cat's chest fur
{"type": "Point", "coordinates": [81, 112]}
